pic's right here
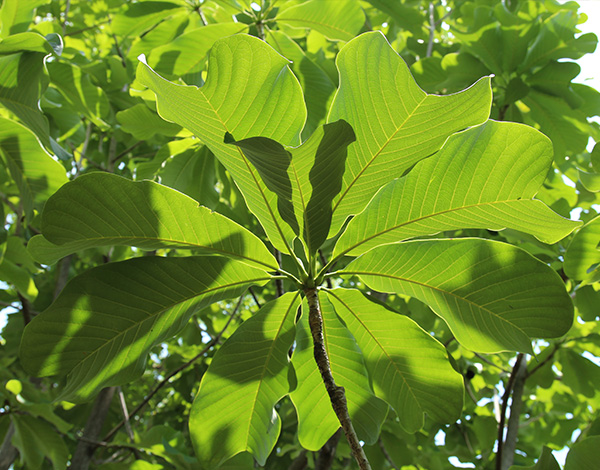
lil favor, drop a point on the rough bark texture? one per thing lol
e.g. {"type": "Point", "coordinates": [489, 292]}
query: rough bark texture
{"type": "Point", "coordinates": [85, 449]}
{"type": "Point", "coordinates": [336, 394]}
{"type": "Point", "coordinates": [327, 452]}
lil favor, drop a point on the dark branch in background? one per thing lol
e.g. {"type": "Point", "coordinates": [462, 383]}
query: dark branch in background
{"type": "Point", "coordinates": [327, 452]}
{"type": "Point", "coordinates": [512, 431]}
{"type": "Point", "coordinates": [487, 361]}
{"type": "Point", "coordinates": [8, 452]}
{"type": "Point", "coordinates": [254, 297]}
{"type": "Point", "coordinates": [279, 282]}
{"type": "Point", "coordinates": [164, 381]}
{"type": "Point", "coordinates": [25, 309]}
{"type": "Point", "coordinates": [300, 462]}
{"type": "Point", "coordinates": [64, 25]}
{"type": "Point", "coordinates": [63, 268]}
{"type": "Point", "coordinates": [545, 361]}
{"type": "Point", "coordinates": [202, 17]}
{"type": "Point", "coordinates": [83, 30]}
{"type": "Point", "coordinates": [386, 454]}
{"type": "Point", "coordinates": [336, 394]}
{"type": "Point", "coordinates": [324, 263]}
{"type": "Point", "coordinates": [507, 391]}
{"type": "Point", "coordinates": [87, 444]}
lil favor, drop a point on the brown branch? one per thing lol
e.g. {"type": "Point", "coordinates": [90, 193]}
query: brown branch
{"type": "Point", "coordinates": [254, 297]}
{"type": "Point", "coordinates": [512, 431]}
{"type": "Point", "coordinates": [300, 462]}
{"type": "Point", "coordinates": [164, 381]}
{"type": "Point", "coordinates": [279, 282]}
{"type": "Point", "coordinates": [327, 452]}
{"type": "Point", "coordinates": [8, 452]}
{"type": "Point", "coordinates": [25, 309]}
{"type": "Point", "coordinates": [336, 393]}
{"type": "Point", "coordinates": [545, 361]}
{"type": "Point", "coordinates": [386, 454]}
{"type": "Point", "coordinates": [505, 397]}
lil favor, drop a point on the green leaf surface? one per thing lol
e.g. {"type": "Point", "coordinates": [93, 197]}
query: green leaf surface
{"type": "Point", "coordinates": [36, 173]}
{"type": "Point", "coordinates": [142, 16]}
{"type": "Point", "coordinates": [484, 177]}
{"type": "Point", "coordinates": [79, 91]}
{"type": "Point", "coordinates": [36, 439]}
{"type": "Point", "coordinates": [583, 253]}
{"type": "Point", "coordinates": [584, 455]}
{"type": "Point", "coordinates": [316, 419]}
{"type": "Point", "coordinates": [100, 328]}
{"type": "Point", "coordinates": [101, 209]}
{"type": "Point", "coordinates": [234, 409]}
{"type": "Point", "coordinates": [493, 296]}
{"type": "Point", "coordinates": [545, 462]}
{"type": "Point", "coordinates": [396, 123]}
{"type": "Point", "coordinates": [143, 123]}
{"type": "Point", "coordinates": [408, 368]}
{"type": "Point", "coordinates": [29, 41]}
{"type": "Point", "coordinates": [187, 53]}
{"type": "Point", "coordinates": [590, 181]}
{"type": "Point", "coordinates": [249, 92]}
{"type": "Point", "coordinates": [339, 20]}
{"type": "Point", "coordinates": [318, 88]}
{"type": "Point", "coordinates": [306, 179]}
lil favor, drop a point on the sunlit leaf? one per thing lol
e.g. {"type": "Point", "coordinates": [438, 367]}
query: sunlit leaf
{"type": "Point", "coordinates": [396, 123]}
{"type": "Point", "coordinates": [234, 409]}
{"type": "Point", "coordinates": [493, 296]}
{"type": "Point", "coordinates": [485, 177]}
{"type": "Point", "coordinates": [100, 328]}
{"type": "Point", "coordinates": [583, 253]}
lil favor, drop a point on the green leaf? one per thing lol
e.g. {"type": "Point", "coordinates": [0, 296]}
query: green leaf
{"type": "Point", "coordinates": [493, 296]}
{"type": "Point", "coordinates": [310, 175]}
{"type": "Point", "coordinates": [249, 92]}
{"type": "Point", "coordinates": [545, 462]}
{"type": "Point", "coordinates": [100, 328]}
{"type": "Point", "coordinates": [584, 455]}
{"type": "Point", "coordinates": [36, 439]}
{"type": "Point", "coordinates": [36, 174]}
{"type": "Point", "coordinates": [408, 368]}
{"type": "Point", "coordinates": [316, 419]}
{"type": "Point", "coordinates": [101, 209]}
{"type": "Point", "coordinates": [187, 53]}
{"type": "Point", "coordinates": [140, 17]}
{"type": "Point", "coordinates": [339, 20]}
{"type": "Point", "coordinates": [318, 88]}
{"type": "Point", "coordinates": [590, 181]}
{"type": "Point", "coordinates": [484, 177]}
{"type": "Point", "coordinates": [582, 256]}
{"type": "Point", "coordinates": [396, 123]}
{"type": "Point", "coordinates": [79, 91]}
{"type": "Point", "coordinates": [234, 409]}
{"type": "Point", "coordinates": [403, 13]}
{"type": "Point", "coordinates": [18, 277]}
{"type": "Point", "coordinates": [29, 41]}
{"type": "Point", "coordinates": [143, 123]}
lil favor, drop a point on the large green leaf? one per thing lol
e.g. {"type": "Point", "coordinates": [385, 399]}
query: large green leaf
{"type": "Point", "coordinates": [36, 439]}
{"type": "Point", "coordinates": [481, 178]}
{"type": "Point", "coordinates": [249, 92]}
{"type": "Point", "coordinates": [396, 123]}
{"type": "Point", "coordinates": [584, 455]}
{"type": "Point", "coordinates": [545, 462]}
{"type": "Point", "coordinates": [316, 419]}
{"type": "Point", "coordinates": [339, 20]}
{"type": "Point", "coordinates": [306, 178]}
{"type": "Point", "coordinates": [36, 174]}
{"type": "Point", "coordinates": [79, 91]}
{"type": "Point", "coordinates": [408, 368]}
{"type": "Point", "coordinates": [318, 88]}
{"type": "Point", "coordinates": [137, 18]}
{"type": "Point", "coordinates": [493, 296]}
{"type": "Point", "coordinates": [187, 53]}
{"type": "Point", "coordinates": [100, 328]}
{"type": "Point", "coordinates": [143, 123]}
{"type": "Point", "coordinates": [234, 409]}
{"type": "Point", "coordinates": [583, 254]}
{"type": "Point", "coordinates": [101, 209]}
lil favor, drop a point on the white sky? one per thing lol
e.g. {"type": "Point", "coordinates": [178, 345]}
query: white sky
{"type": "Point", "coordinates": [590, 63]}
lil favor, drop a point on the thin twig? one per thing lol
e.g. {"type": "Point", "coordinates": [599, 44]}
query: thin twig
{"type": "Point", "coordinates": [432, 26]}
{"type": "Point", "coordinates": [545, 361]}
{"type": "Point", "coordinates": [487, 361]}
{"type": "Point", "coordinates": [164, 381]}
{"type": "Point", "coordinates": [83, 30]}
{"type": "Point", "coordinates": [505, 397]}
{"type": "Point", "coordinates": [127, 150]}
{"type": "Point", "coordinates": [254, 297]}
{"type": "Point", "coordinates": [279, 282]}
{"type": "Point", "coordinates": [386, 454]}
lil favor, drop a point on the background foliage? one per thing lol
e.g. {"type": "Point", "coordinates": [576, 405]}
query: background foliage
{"type": "Point", "coordinates": [76, 102]}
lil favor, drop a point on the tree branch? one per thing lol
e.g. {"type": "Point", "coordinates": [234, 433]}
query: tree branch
{"type": "Point", "coordinates": [336, 394]}
{"type": "Point", "coordinates": [8, 452]}
{"type": "Point", "coordinates": [505, 397]}
{"type": "Point", "coordinates": [512, 431]}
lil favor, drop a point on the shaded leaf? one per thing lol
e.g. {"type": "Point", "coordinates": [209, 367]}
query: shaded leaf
{"type": "Point", "coordinates": [36, 174]}
{"type": "Point", "coordinates": [484, 177]}
{"type": "Point", "coordinates": [101, 209]}
{"type": "Point", "coordinates": [583, 253]}
{"type": "Point", "coordinates": [316, 419]}
{"type": "Point", "coordinates": [493, 296]}
{"type": "Point", "coordinates": [100, 328]}
{"type": "Point", "coordinates": [408, 368]}
{"type": "Point", "coordinates": [584, 455]}
{"type": "Point", "coordinates": [234, 409]}
{"type": "Point", "coordinates": [249, 92]}
{"type": "Point", "coordinates": [396, 123]}
{"type": "Point", "coordinates": [143, 123]}
{"type": "Point", "coordinates": [545, 462]}
{"type": "Point", "coordinates": [590, 181]}
{"type": "Point", "coordinates": [36, 440]}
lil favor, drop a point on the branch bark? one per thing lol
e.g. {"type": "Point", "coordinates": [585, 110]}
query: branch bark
{"type": "Point", "coordinates": [8, 452]}
{"type": "Point", "coordinates": [336, 393]}
{"type": "Point", "coordinates": [512, 431]}
{"type": "Point", "coordinates": [85, 447]}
